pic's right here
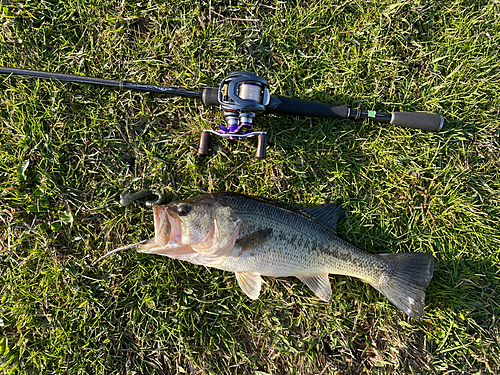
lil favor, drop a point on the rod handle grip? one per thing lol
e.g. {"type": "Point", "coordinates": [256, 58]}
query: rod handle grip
{"type": "Point", "coordinates": [431, 122]}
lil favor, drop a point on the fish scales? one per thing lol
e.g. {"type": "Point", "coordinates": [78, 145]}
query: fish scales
{"type": "Point", "coordinates": [296, 247]}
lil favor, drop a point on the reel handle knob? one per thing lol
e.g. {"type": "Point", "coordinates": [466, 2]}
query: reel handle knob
{"type": "Point", "coordinates": [261, 146]}
{"type": "Point", "coordinates": [204, 143]}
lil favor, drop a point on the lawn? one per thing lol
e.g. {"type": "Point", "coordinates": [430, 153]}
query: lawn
{"type": "Point", "coordinates": [67, 151]}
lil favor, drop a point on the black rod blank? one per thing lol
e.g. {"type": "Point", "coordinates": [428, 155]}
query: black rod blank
{"type": "Point", "coordinates": [102, 82]}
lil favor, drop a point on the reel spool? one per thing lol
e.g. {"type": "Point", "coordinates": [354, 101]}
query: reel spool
{"type": "Point", "coordinates": [241, 95]}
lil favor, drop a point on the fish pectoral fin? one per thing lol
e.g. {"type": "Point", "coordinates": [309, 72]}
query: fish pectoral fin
{"type": "Point", "coordinates": [250, 283]}
{"type": "Point", "coordinates": [320, 285]}
{"type": "Point", "coordinates": [254, 239]}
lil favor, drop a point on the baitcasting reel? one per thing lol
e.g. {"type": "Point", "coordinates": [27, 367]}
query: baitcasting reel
{"type": "Point", "coordinates": [241, 96]}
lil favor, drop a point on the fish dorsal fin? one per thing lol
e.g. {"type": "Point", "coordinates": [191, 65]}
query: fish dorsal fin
{"type": "Point", "coordinates": [329, 214]}
{"type": "Point", "coordinates": [320, 285]}
{"type": "Point", "coordinates": [250, 283]}
{"type": "Point", "coordinates": [254, 239]}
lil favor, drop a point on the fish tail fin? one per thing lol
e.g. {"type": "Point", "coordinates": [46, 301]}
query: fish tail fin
{"type": "Point", "coordinates": [404, 283]}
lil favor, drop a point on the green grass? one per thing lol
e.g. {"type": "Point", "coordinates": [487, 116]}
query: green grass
{"type": "Point", "coordinates": [67, 151]}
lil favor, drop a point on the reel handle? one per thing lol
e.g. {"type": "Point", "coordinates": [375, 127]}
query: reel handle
{"type": "Point", "coordinates": [206, 135]}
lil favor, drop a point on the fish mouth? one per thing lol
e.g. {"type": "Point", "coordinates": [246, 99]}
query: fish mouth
{"type": "Point", "coordinates": [168, 234]}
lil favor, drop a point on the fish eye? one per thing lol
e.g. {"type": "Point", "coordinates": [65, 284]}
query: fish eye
{"type": "Point", "coordinates": [183, 209]}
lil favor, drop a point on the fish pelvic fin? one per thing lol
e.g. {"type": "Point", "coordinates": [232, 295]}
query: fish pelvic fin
{"type": "Point", "coordinates": [320, 285]}
{"type": "Point", "coordinates": [250, 283]}
{"type": "Point", "coordinates": [404, 283]}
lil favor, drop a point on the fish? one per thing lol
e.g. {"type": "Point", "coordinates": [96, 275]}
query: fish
{"type": "Point", "coordinates": [255, 237]}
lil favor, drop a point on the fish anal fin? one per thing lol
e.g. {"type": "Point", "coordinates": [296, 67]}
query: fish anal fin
{"type": "Point", "coordinates": [329, 214]}
{"type": "Point", "coordinates": [250, 283]}
{"type": "Point", "coordinates": [320, 285]}
{"type": "Point", "coordinates": [254, 239]}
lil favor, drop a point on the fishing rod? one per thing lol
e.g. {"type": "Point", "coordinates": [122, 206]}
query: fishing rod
{"type": "Point", "coordinates": [242, 95]}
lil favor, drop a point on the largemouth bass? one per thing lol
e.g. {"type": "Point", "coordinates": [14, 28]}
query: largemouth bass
{"type": "Point", "coordinates": [255, 237]}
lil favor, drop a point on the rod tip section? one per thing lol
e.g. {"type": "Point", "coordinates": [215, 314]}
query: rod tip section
{"type": "Point", "coordinates": [431, 122]}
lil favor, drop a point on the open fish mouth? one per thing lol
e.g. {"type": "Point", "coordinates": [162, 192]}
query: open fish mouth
{"type": "Point", "coordinates": [168, 235]}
